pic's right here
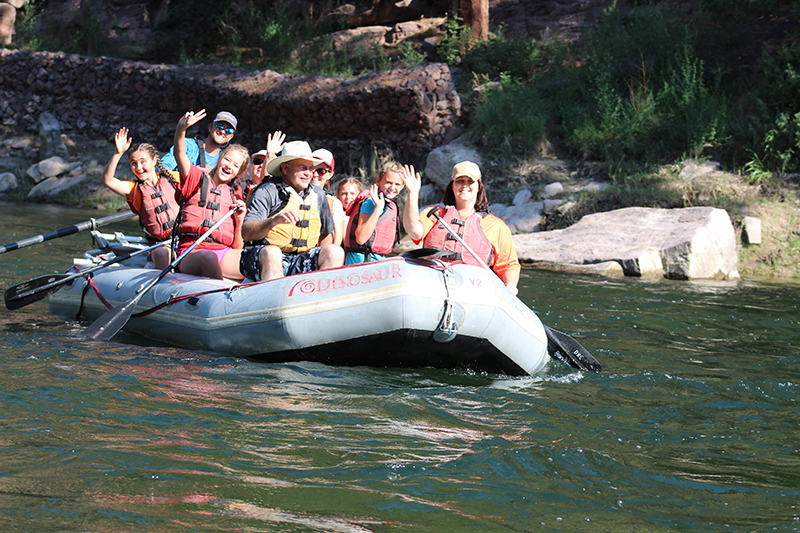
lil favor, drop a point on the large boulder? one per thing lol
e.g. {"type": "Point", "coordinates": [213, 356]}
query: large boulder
{"type": "Point", "coordinates": [49, 168]}
{"type": "Point", "coordinates": [8, 15]}
{"type": "Point", "coordinates": [350, 44]}
{"type": "Point", "coordinates": [55, 186]}
{"type": "Point", "coordinates": [50, 138]}
{"type": "Point", "coordinates": [691, 243]}
{"type": "Point", "coordinates": [440, 162]}
{"type": "Point", "coordinates": [8, 181]}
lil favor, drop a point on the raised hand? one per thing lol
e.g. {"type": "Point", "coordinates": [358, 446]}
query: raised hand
{"type": "Point", "coordinates": [377, 197]}
{"type": "Point", "coordinates": [122, 141]}
{"type": "Point", "coordinates": [411, 179]}
{"type": "Point", "coordinates": [190, 118]}
{"type": "Point", "coordinates": [275, 144]}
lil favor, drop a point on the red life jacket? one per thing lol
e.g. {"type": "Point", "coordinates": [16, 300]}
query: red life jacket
{"type": "Point", "coordinates": [470, 230]}
{"type": "Point", "coordinates": [204, 208]}
{"type": "Point", "coordinates": [156, 207]}
{"type": "Point", "coordinates": [386, 233]}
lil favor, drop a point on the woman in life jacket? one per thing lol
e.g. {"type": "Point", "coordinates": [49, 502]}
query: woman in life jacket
{"type": "Point", "coordinates": [466, 210]}
{"type": "Point", "coordinates": [322, 177]}
{"type": "Point", "coordinates": [205, 198]}
{"type": "Point", "coordinates": [151, 196]}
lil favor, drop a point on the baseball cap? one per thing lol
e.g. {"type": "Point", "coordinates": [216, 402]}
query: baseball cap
{"type": "Point", "coordinates": [468, 169]}
{"type": "Point", "coordinates": [224, 116]}
{"type": "Point", "coordinates": [325, 156]}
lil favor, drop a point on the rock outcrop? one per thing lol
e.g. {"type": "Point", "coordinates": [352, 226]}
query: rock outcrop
{"type": "Point", "coordinates": [690, 243]}
{"type": "Point", "coordinates": [409, 111]}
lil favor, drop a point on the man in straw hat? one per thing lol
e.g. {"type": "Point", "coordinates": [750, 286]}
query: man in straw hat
{"type": "Point", "coordinates": [289, 227]}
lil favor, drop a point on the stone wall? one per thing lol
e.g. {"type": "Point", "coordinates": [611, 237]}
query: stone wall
{"type": "Point", "coordinates": [408, 111]}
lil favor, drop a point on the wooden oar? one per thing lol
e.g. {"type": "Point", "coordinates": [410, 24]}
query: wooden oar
{"type": "Point", "coordinates": [37, 289]}
{"type": "Point", "coordinates": [69, 230]}
{"type": "Point", "coordinates": [560, 346]}
{"type": "Point", "coordinates": [114, 319]}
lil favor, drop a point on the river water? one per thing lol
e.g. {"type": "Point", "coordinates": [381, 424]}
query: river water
{"type": "Point", "coordinates": [692, 426]}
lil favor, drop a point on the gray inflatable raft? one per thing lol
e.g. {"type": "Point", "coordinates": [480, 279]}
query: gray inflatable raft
{"type": "Point", "coordinates": [399, 312]}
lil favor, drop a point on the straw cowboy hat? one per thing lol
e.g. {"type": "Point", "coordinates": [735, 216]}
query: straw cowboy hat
{"type": "Point", "coordinates": [291, 151]}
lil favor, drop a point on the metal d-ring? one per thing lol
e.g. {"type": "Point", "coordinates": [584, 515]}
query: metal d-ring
{"type": "Point", "coordinates": [447, 328]}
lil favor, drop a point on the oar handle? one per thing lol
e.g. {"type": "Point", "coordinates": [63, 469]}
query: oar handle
{"type": "Point", "coordinates": [69, 230]}
{"type": "Point", "coordinates": [199, 240]}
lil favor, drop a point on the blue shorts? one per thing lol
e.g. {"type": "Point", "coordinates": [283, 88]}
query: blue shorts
{"type": "Point", "coordinates": [298, 263]}
{"type": "Point", "coordinates": [354, 258]}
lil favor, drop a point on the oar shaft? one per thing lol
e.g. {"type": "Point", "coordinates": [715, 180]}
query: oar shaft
{"type": "Point", "coordinates": [79, 273]}
{"type": "Point", "coordinates": [69, 230]}
{"type": "Point", "coordinates": [461, 241]}
{"type": "Point", "coordinates": [114, 319]}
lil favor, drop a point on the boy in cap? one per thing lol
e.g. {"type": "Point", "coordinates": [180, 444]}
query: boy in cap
{"type": "Point", "coordinates": [288, 227]}
{"type": "Point", "coordinates": [204, 153]}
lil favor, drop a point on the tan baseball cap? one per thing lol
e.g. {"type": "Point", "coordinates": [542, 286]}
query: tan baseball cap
{"type": "Point", "coordinates": [468, 169]}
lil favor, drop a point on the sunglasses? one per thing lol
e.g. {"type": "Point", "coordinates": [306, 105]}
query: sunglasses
{"type": "Point", "coordinates": [322, 171]}
{"type": "Point", "coordinates": [222, 127]}
{"type": "Point", "coordinates": [258, 161]}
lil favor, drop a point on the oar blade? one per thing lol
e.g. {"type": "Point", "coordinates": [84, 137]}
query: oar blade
{"type": "Point", "coordinates": [111, 322]}
{"type": "Point", "coordinates": [565, 348]}
{"type": "Point", "coordinates": [33, 290]}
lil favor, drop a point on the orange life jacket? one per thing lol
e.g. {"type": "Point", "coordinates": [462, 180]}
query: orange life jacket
{"type": "Point", "coordinates": [469, 230]}
{"type": "Point", "coordinates": [156, 207]}
{"type": "Point", "coordinates": [386, 233]}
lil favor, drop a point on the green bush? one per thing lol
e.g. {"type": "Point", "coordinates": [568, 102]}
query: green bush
{"type": "Point", "coordinates": [37, 30]}
{"type": "Point", "coordinates": [643, 95]}
{"type": "Point", "coordinates": [277, 33]}
{"type": "Point", "coordinates": [768, 123]}
{"type": "Point", "coordinates": [518, 57]}
{"type": "Point", "coordinates": [510, 116]}
{"type": "Point", "coordinates": [456, 42]}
